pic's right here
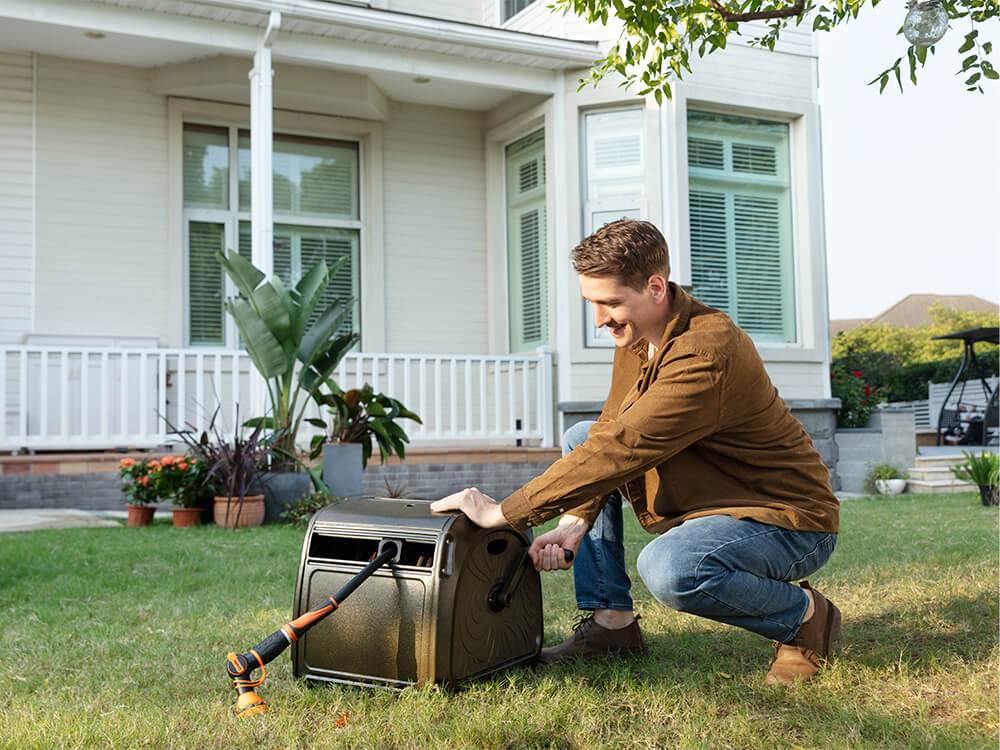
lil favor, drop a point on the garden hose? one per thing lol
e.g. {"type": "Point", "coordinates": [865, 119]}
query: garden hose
{"type": "Point", "coordinates": [240, 667]}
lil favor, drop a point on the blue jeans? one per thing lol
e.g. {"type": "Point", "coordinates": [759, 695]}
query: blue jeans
{"type": "Point", "coordinates": [733, 570]}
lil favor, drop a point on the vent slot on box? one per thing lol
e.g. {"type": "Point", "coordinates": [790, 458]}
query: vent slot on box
{"type": "Point", "coordinates": [418, 554]}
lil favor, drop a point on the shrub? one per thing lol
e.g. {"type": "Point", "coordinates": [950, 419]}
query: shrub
{"type": "Point", "coordinates": [300, 512]}
{"type": "Point", "coordinates": [137, 484]}
{"type": "Point", "coordinates": [982, 470]}
{"type": "Point", "coordinates": [857, 398]}
{"type": "Point", "coordinates": [881, 472]}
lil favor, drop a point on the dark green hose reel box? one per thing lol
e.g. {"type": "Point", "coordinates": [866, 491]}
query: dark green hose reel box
{"type": "Point", "coordinates": [459, 602]}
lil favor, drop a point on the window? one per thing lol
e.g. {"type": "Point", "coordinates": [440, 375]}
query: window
{"type": "Point", "coordinates": [316, 216]}
{"type": "Point", "coordinates": [740, 216]}
{"type": "Point", "coordinates": [512, 7]}
{"type": "Point", "coordinates": [527, 252]}
{"type": "Point", "coordinates": [613, 183]}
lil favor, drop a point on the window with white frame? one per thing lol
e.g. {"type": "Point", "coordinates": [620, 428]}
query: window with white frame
{"type": "Point", "coordinates": [614, 176]}
{"type": "Point", "coordinates": [316, 217]}
{"type": "Point", "coordinates": [740, 218]}
{"type": "Point", "coordinates": [511, 8]}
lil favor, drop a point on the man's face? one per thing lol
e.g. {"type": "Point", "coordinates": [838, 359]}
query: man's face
{"type": "Point", "coordinates": [627, 314]}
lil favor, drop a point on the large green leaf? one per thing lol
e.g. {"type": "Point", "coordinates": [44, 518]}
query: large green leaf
{"type": "Point", "coordinates": [316, 339]}
{"type": "Point", "coordinates": [245, 275]}
{"type": "Point", "coordinates": [264, 349]}
{"type": "Point", "coordinates": [274, 305]}
{"type": "Point", "coordinates": [310, 288]}
{"type": "Point", "coordinates": [312, 378]}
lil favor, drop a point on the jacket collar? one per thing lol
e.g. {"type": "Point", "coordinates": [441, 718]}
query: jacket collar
{"type": "Point", "coordinates": [680, 315]}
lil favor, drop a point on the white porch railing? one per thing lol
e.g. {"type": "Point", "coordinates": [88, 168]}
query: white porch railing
{"type": "Point", "coordinates": [64, 397]}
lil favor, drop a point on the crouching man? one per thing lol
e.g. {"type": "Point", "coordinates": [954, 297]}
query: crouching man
{"type": "Point", "coordinates": [695, 437]}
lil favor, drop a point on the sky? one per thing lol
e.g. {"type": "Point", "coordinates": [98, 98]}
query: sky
{"type": "Point", "coordinates": [911, 180]}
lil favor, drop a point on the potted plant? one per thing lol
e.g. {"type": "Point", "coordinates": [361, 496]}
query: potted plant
{"type": "Point", "coordinates": [140, 489]}
{"type": "Point", "coordinates": [233, 469]}
{"type": "Point", "coordinates": [182, 479]}
{"type": "Point", "coordinates": [886, 480]}
{"type": "Point", "coordinates": [983, 470]}
{"type": "Point", "coordinates": [359, 418]}
{"type": "Point", "coordinates": [291, 338]}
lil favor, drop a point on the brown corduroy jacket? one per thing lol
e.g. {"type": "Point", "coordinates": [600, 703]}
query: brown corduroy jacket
{"type": "Point", "coordinates": [697, 430]}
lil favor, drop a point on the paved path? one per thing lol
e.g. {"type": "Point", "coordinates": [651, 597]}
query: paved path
{"type": "Point", "coordinates": [31, 519]}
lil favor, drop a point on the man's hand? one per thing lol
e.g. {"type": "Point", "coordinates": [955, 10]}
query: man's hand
{"type": "Point", "coordinates": [546, 551]}
{"type": "Point", "coordinates": [481, 509]}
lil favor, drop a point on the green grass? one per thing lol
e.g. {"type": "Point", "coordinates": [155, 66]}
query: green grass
{"type": "Point", "coordinates": [117, 638]}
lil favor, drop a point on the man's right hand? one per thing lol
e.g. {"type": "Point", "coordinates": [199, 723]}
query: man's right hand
{"type": "Point", "coordinates": [547, 550]}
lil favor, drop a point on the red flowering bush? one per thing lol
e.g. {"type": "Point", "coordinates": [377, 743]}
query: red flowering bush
{"type": "Point", "coordinates": [857, 398]}
{"type": "Point", "coordinates": [138, 486]}
{"type": "Point", "coordinates": [181, 478]}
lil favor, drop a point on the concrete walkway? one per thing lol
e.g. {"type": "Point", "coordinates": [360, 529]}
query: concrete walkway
{"type": "Point", "coordinates": [32, 519]}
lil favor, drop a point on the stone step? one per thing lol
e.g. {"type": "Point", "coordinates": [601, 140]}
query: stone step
{"type": "Point", "coordinates": [938, 486]}
{"type": "Point", "coordinates": [933, 461]}
{"type": "Point", "coordinates": [930, 472]}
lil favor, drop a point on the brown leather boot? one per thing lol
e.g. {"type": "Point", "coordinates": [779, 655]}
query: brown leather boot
{"type": "Point", "coordinates": [591, 640]}
{"type": "Point", "coordinates": [802, 658]}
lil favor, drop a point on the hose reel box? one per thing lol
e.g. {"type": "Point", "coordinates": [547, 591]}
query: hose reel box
{"type": "Point", "coordinates": [457, 603]}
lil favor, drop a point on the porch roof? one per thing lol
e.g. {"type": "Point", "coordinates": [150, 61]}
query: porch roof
{"type": "Point", "coordinates": [346, 36]}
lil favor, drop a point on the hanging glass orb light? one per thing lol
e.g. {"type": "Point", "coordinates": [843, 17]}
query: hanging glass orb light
{"type": "Point", "coordinates": [926, 22]}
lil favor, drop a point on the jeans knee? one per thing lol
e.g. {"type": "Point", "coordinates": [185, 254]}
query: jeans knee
{"type": "Point", "coordinates": [575, 434]}
{"type": "Point", "coordinates": [668, 578]}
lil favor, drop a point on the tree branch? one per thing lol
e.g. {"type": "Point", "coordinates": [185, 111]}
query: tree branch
{"type": "Point", "coordinates": [761, 15]}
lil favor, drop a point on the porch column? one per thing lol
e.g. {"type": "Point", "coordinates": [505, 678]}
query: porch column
{"type": "Point", "coordinates": [261, 147]}
{"type": "Point", "coordinates": [261, 190]}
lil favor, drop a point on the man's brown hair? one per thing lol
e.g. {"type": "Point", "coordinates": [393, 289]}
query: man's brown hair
{"type": "Point", "coordinates": [627, 249]}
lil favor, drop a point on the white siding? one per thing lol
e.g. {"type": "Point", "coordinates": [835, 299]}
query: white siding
{"type": "Point", "coordinates": [102, 202]}
{"type": "Point", "coordinates": [799, 379]}
{"type": "Point", "coordinates": [435, 231]}
{"type": "Point", "coordinates": [469, 11]}
{"type": "Point", "coordinates": [16, 185]}
{"type": "Point", "coordinates": [535, 19]}
{"type": "Point", "coordinates": [755, 71]}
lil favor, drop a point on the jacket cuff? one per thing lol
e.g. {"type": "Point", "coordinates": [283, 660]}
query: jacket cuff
{"type": "Point", "coordinates": [517, 510]}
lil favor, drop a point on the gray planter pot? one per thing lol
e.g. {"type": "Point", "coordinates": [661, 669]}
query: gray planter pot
{"type": "Point", "coordinates": [342, 469]}
{"type": "Point", "coordinates": [282, 489]}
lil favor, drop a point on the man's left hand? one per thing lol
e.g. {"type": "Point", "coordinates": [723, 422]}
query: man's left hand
{"type": "Point", "coordinates": [481, 509]}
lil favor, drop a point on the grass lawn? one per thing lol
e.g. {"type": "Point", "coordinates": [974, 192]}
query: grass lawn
{"type": "Point", "coordinates": [117, 638]}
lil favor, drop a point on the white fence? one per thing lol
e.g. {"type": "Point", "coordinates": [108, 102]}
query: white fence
{"type": "Point", "coordinates": [57, 397]}
{"type": "Point", "coordinates": [926, 411]}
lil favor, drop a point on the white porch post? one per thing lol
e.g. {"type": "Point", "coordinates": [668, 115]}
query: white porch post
{"type": "Point", "coordinates": [565, 276]}
{"type": "Point", "coordinates": [261, 148]}
{"type": "Point", "coordinates": [261, 189]}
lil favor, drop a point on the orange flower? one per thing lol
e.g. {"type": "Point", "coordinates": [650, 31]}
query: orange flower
{"type": "Point", "coordinates": [154, 465]}
{"type": "Point", "coordinates": [167, 460]}
{"type": "Point", "coordinates": [182, 466]}
{"type": "Point", "coordinates": [143, 481]}
{"type": "Point", "coordinates": [126, 463]}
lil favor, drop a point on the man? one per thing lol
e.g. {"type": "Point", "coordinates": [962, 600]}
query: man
{"type": "Point", "coordinates": [695, 436]}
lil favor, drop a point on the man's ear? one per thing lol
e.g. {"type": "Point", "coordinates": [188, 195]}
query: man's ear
{"type": "Point", "coordinates": [657, 285]}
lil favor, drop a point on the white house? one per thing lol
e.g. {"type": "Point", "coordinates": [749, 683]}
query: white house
{"type": "Point", "coordinates": [441, 145]}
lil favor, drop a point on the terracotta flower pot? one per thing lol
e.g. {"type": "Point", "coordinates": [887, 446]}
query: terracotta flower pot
{"type": "Point", "coordinates": [140, 515]}
{"type": "Point", "coordinates": [226, 510]}
{"type": "Point", "coordinates": [186, 516]}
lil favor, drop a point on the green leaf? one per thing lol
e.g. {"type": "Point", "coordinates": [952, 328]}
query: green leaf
{"type": "Point", "coordinates": [310, 288]}
{"type": "Point", "coordinates": [320, 332]}
{"type": "Point", "coordinates": [245, 275]}
{"type": "Point", "coordinates": [991, 74]}
{"type": "Point", "coordinates": [264, 349]}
